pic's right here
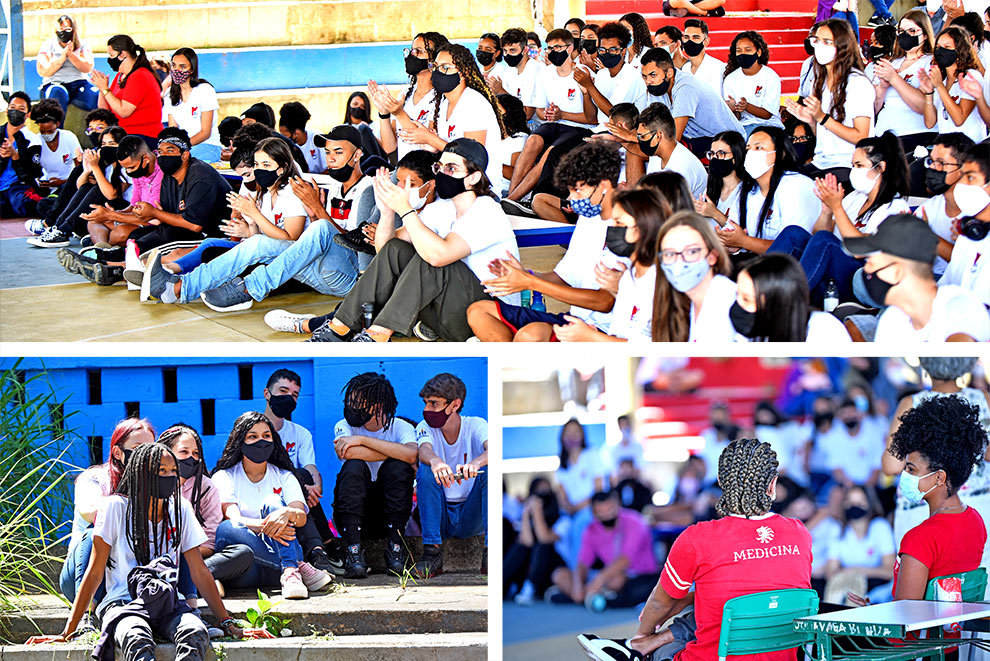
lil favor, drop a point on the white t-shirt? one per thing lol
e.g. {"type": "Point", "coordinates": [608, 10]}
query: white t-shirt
{"type": "Point", "coordinates": [316, 158]}
{"type": "Point", "coordinates": [92, 485]}
{"type": "Point", "coordinates": [869, 223]}
{"type": "Point", "coordinates": [970, 267]}
{"type": "Point", "coordinates": [954, 310]}
{"type": "Point", "coordinates": [111, 527]}
{"type": "Point", "coordinates": [713, 323]}
{"type": "Point", "coordinates": [577, 266]}
{"type": "Point", "coordinates": [286, 206]}
{"type": "Point", "coordinates": [626, 87]}
{"type": "Point", "coordinates": [473, 113]}
{"type": "Point", "coordinates": [578, 479]}
{"type": "Point", "coordinates": [522, 85]}
{"type": "Point", "coordinates": [794, 203]}
{"type": "Point", "coordinates": [762, 89]}
{"type": "Point", "coordinates": [973, 126]}
{"type": "Point", "coordinates": [868, 552]}
{"type": "Point", "coordinates": [298, 442]}
{"type": "Point", "coordinates": [896, 115]}
{"type": "Point", "coordinates": [710, 72]}
{"type": "Point", "coordinates": [67, 73]}
{"type": "Point", "coordinates": [497, 70]}
{"type": "Point", "coordinates": [58, 164]}
{"type": "Point", "coordinates": [561, 91]}
{"type": "Point", "coordinates": [686, 164]}
{"type": "Point", "coordinates": [484, 227]}
{"type": "Point", "coordinates": [858, 456]}
{"type": "Point", "coordinates": [789, 446]}
{"type": "Point", "coordinates": [730, 205]}
{"type": "Point", "coordinates": [235, 487]}
{"type": "Point", "coordinates": [421, 113]}
{"type": "Point", "coordinates": [469, 445]}
{"type": "Point", "coordinates": [399, 431]}
{"type": "Point", "coordinates": [632, 314]}
{"type": "Point", "coordinates": [823, 328]}
{"type": "Point", "coordinates": [188, 114]}
{"type": "Point", "coordinates": [831, 151]}
{"type": "Point", "coordinates": [934, 211]}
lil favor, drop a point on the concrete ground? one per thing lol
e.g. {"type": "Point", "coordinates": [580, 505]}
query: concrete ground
{"type": "Point", "coordinates": [544, 632]}
{"type": "Point", "coordinates": [40, 301]}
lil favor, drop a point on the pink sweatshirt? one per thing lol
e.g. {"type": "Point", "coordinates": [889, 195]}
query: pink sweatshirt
{"type": "Point", "coordinates": [209, 507]}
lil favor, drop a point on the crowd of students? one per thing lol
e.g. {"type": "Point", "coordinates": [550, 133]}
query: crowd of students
{"type": "Point", "coordinates": [706, 206]}
{"type": "Point", "coordinates": [256, 519]}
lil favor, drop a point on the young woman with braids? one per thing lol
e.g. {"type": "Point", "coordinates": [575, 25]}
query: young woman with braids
{"type": "Point", "coordinates": [196, 487]}
{"type": "Point", "coordinates": [464, 107]}
{"type": "Point", "coordinates": [262, 506]}
{"type": "Point", "coordinates": [92, 488]}
{"type": "Point", "coordinates": [143, 521]}
{"type": "Point", "coordinates": [416, 101]}
{"type": "Point", "coordinates": [748, 550]}
{"type": "Point", "coordinates": [373, 494]}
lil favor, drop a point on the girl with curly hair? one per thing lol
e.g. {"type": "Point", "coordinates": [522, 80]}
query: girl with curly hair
{"type": "Point", "coordinates": [749, 86]}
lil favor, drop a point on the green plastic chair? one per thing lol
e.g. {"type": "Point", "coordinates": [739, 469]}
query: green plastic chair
{"type": "Point", "coordinates": [764, 622]}
{"type": "Point", "coordinates": [974, 585]}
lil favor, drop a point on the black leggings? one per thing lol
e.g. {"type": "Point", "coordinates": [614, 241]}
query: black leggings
{"type": "Point", "coordinates": [71, 220]}
{"type": "Point", "coordinates": [316, 517]}
{"type": "Point", "coordinates": [534, 563]}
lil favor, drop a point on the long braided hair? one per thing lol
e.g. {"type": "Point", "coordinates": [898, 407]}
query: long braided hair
{"type": "Point", "coordinates": [468, 68]}
{"type": "Point", "coordinates": [169, 438]}
{"type": "Point", "coordinates": [140, 476]}
{"type": "Point", "coordinates": [745, 469]}
{"type": "Point", "coordinates": [374, 393]}
{"type": "Point", "coordinates": [432, 41]}
{"type": "Point", "coordinates": [232, 455]}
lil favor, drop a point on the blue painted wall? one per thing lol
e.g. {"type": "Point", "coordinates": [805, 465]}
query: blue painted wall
{"type": "Point", "coordinates": [543, 441]}
{"type": "Point", "coordinates": [319, 409]}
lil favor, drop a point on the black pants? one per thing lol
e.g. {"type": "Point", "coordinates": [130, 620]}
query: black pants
{"type": "Point", "coordinates": [366, 509]}
{"type": "Point", "coordinates": [545, 184]}
{"type": "Point", "coordinates": [316, 530]}
{"type": "Point", "coordinates": [405, 289]}
{"type": "Point", "coordinates": [230, 563]}
{"type": "Point", "coordinates": [65, 194]}
{"type": "Point", "coordinates": [71, 220]}
{"type": "Point", "coordinates": [842, 174]}
{"type": "Point", "coordinates": [534, 563]}
{"type": "Point", "coordinates": [153, 236]}
{"type": "Point", "coordinates": [636, 590]}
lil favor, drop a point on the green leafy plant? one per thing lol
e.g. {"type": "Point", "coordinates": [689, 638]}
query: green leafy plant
{"type": "Point", "coordinates": [262, 617]}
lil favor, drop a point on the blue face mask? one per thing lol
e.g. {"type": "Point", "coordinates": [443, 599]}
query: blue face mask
{"type": "Point", "coordinates": [862, 403]}
{"type": "Point", "coordinates": [911, 490]}
{"type": "Point", "coordinates": [584, 207]}
{"type": "Point", "coordinates": [685, 276]}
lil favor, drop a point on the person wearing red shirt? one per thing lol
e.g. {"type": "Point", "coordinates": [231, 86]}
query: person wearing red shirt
{"type": "Point", "coordinates": [134, 95]}
{"type": "Point", "coordinates": [746, 551]}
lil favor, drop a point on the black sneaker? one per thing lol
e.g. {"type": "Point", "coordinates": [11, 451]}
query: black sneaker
{"type": "Point", "coordinates": [355, 240]}
{"type": "Point", "coordinates": [718, 12]}
{"type": "Point", "coordinates": [425, 333]}
{"type": "Point", "coordinates": [514, 208]}
{"type": "Point", "coordinates": [89, 268]}
{"type": "Point", "coordinates": [319, 559]}
{"type": "Point", "coordinates": [228, 297]}
{"type": "Point", "coordinates": [396, 558]}
{"type": "Point", "coordinates": [354, 564]}
{"type": "Point", "coordinates": [324, 333]}
{"type": "Point", "coordinates": [335, 556]}
{"type": "Point", "coordinates": [431, 564]}
{"type": "Point", "coordinates": [608, 649]}
{"type": "Point", "coordinates": [156, 277]}
{"type": "Point", "coordinates": [50, 238]}
{"type": "Point", "coordinates": [363, 336]}
{"type": "Point", "coordinates": [113, 254]}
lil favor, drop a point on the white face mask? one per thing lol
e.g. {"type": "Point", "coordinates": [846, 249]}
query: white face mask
{"type": "Point", "coordinates": [824, 54]}
{"type": "Point", "coordinates": [757, 163]}
{"type": "Point", "coordinates": [859, 179]}
{"type": "Point", "coordinates": [971, 199]}
{"type": "Point", "coordinates": [933, 6]}
{"type": "Point", "coordinates": [415, 201]}
{"type": "Point", "coordinates": [49, 137]}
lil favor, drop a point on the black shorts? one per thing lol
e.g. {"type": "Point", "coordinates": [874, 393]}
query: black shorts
{"type": "Point", "coordinates": [516, 316]}
{"type": "Point", "coordinates": [555, 133]}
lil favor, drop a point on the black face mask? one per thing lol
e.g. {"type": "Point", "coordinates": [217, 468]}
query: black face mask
{"type": "Point", "coordinates": [802, 150]}
{"type": "Point", "coordinates": [264, 178]}
{"type": "Point", "coordinates": [356, 417]}
{"type": "Point", "coordinates": [822, 419]}
{"type": "Point", "coordinates": [935, 181]}
{"type": "Point", "coordinates": [448, 187]}
{"type": "Point", "coordinates": [609, 523]}
{"type": "Point", "coordinates": [615, 240]}
{"type": "Point", "coordinates": [558, 58]}
{"type": "Point", "coordinates": [854, 512]}
{"type": "Point", "coordinates": [746, 60]}
{"type": "Point", "coordinates": [945, 57]}
{"type": "Point", "coordinates": [63, 36]}
{"type": "Point", "coordinates": [114, 63]}
{"type": "Point", "coordinates": [282, 405]}
{"type": "Point", "coordinates": [974, 229]}
{"type": "Point", "coordinates": [16, 117]}
{"type": "Point", "coordinates": [140, 172]}
{"type": "Point", "coordinates": [485, 58]}
{"type": "Point", "coordinates": [445, 82]}
{"type": "Point", "coordinates": [127, 455]}
{"type": "Point", "coordinates": [94, 140]}
{"type": "Point", "coordinates": [342, 174]}
{"type": "Point", "coordinates": [188, 467]}
{"type": "Point", "coordinates": [415, 64]}
{"type": "Point", "coordinates": [851, 425]}
{"type": "Point", "coordinates": [108, 155]}
{"type": "Point", "coordinates": [875, 287]}
{"type": "Point", "coordinates": [721, 168]}
{"type": "Point", "coordinates": [259, 451]}
{"type": "Point", "coordinates": [742, 320]}
{"type": "Point", "coordinates": [876, 52]}
{"type": "Point", "coordinates": [513, 60]}
{"type": "Point", "coordinates": [647, 148]}
{"type": "Point", "coordinates": [659, 90]}
{"type": "Point", "coordinates": [907, 42]}
{"type": "Point", "coordinates": [589, 47]}
{"type": "Point", "coordinates": [359, 113]}
{"type": "Point", "coordinates": [693, 48]}
{"type": "Point", "coordinates": [164, 486]}
{"type": "Point", "coordinates": [170, 164]}
{"type": "Point", "coordinates": [808, 48]}
{"type": "Point", "coordinates": [611, 61]}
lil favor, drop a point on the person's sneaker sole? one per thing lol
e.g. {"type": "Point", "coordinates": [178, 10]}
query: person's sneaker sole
{"type": "Point", "coordinates": [326, 580]}
{"type": "Point", "coordinates": [424, 332]}
{"type": "Point", "coordinates": [134, 278]}
{"type": "Point", "coordinates": [604, 649]}
{"type": "Point", "coordinates": [295, 592]}
{"type": "Point", "coordinates": [69, 260]}
{"type": "Point", "coordinates": [517, 209]}
{"type": "Point", "coordinates": [38, 243]}
{"type": "Point", "coordinates": [153, 257]}
{"type": "Point", "coordinates": [246, 305]}
{"type": "Point", "coordinates": [96, 273]}
{"type": "Point", "coordinates": [286, 322]}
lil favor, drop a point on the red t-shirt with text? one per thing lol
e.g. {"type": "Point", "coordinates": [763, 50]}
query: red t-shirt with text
{"type": "Point", "coordinates": [947, 543]}
{"type": "Point", "coordinates": [143, 90]}
{"type": "Point", "coordinates": [729, 558]}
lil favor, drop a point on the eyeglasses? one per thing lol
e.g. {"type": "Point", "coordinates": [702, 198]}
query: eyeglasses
{"type": "Point", "coordinates": [800, 139]}
{"type": "Point", "coordinates": [690, 255]}
{"type": "Point", "coordinates": [940, 165]}
{"type": "Point", "coordinates": [443, 68]}
{"type": "Point", "coordinates": [719, 155]}
{"type": "Point", "coordinates": [418, 52]}
{"type": "Point", "coordinates": [825, 42]}
{"type": "Point", "coordinates": [449, 169]}
{"type": "Point", "coordinates": [646, 137]}
{"type": "Point", "coordinates": [91, 131]}
{"type": "Point", "coordinates": [615, 50]}
{"type": "Point", "coordinates": [559, 48]}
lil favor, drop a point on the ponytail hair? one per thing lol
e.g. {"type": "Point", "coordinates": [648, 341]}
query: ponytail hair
{"type": "Point", "coordinates": [122, 43]}
{"type": "Point", "coordinates": [894, 179]}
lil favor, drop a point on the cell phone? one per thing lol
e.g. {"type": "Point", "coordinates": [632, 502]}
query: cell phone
{"type": "Point", "coordinates": [457, 476]}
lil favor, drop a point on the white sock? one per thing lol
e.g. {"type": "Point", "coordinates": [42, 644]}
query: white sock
{"type": "Point", "coordinates": [169, 296]}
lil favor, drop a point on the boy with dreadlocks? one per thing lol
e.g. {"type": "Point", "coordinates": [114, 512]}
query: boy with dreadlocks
{"type": "Point", "coordinates": [145, 520]}
{"type": "Point", "coordinates": [748, 550]}
{"type": "Point", "coordinates": [374, 487]}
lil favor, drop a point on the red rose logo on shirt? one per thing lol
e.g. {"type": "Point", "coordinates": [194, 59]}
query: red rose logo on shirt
{"type": "Point", "coordinates": [65, 158]}
{"type": "Point", "coordinates": [289, 446]}
{"type": "Point", "coordinates": [277, 491]}
{"type": "Point", "coordinates": [312, 153]}
{"type": "Point", "coordinates": [634, 311]}
{"type": "Point", "coordinates": [169, 533]}
{"type": "Point", "coordinates": [570, 94]}
{"type": "Point", "coordinates": [764, 534]}
{"type": "Point", "coordinates": [278, 218]}
{"type": "Point", "coordinates": [450, 131]}
{"type": "Point", "coordinates": [194, 109]}
{"type": "Point", "coordinates": [908, 77]}
{"type": "Point", "coordinates": [422, 116]}
{"type": "Point", "coordinates": [759, 90]}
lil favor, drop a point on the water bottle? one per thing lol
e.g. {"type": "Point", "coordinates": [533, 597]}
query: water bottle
{"type": "Point", "coordinates": [367, 314]}
{"type": "Point", "coordinates": [538, 304]}
{"type": "Point", "coordinates": [526, 298]}
{"type": "Point", "coordinates": [831, 296]}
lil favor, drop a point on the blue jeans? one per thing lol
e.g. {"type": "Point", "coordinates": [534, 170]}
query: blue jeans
{"type": "Point", "coordinates": [270, 557]}
{"type": "Point", "coordinates": [205, 152]}
{"type": "Point", "coordinates": [79, 93]}
{"type": "Point", "coordinates": [187, 263]}
{"type": "Point", "coordinates": [442, 520]}
{"type": "Point", "coordinates": [74, 568]}
{"type": "Point", "coordinates": [822, 259]}
{"type": "Point", "coordinates": [850, 18]}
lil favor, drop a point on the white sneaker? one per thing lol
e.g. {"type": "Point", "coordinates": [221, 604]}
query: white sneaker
{"type": "Point", "coordinates": [292, 584]}
{"type": "Point", "coordinates": [526, 594]}
{"type": "Point", "coordinates": [133, 263]}
{"type": "Point", "coordinates": [314, 578]}
{"type": "Point", "coordinates": [35, 226]}
{"type": "Point", "coordinates": [608, 649]}
{"type": "Point", "coordinates": [286, 322]}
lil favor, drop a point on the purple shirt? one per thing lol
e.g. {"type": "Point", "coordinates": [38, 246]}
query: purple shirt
{"type": "Point", "coordinates": [630, 538]}
{"type": "Point", "coordinates": [148, 189]}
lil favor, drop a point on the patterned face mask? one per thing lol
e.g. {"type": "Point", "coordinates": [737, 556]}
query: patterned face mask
{"type": "Point", "coordinates": [584, 207]}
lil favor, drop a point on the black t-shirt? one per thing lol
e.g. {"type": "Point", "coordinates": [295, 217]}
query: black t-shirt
{"type": "Point", "coordinates": [201, 199]}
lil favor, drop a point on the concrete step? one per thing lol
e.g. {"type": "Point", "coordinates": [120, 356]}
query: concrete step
{"type": "Point", "coordinates": [410, 647]}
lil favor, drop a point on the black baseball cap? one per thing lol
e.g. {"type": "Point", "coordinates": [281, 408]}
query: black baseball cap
{"type": "Point", "coordinates": [470, 150]}
{"type": "Point", "coordinates": [901, 235]}
{"type": "Point", "coordinates": [343, 132]}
